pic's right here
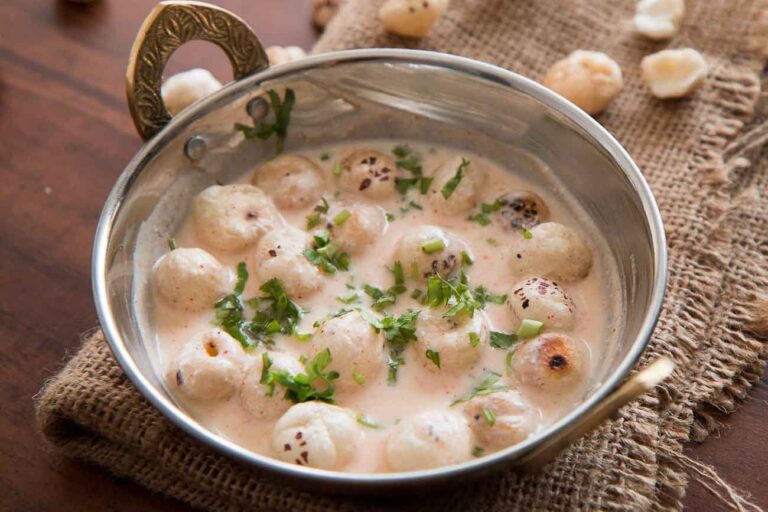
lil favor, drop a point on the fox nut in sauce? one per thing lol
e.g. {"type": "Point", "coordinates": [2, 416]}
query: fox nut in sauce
{"type": "Point", "coordinates": [291, 181]}
{"type": "Point", "coordinates": [554, 251]}
{"type": "Point", "coordinates": [591, 80]}
{"type": "Point", "coordinates": [356, 348]}
{"type": "Point", "coordinates": [209, 366]}
{"type": "Point", "coordinates": [191, 279]}
{"type": "Point", "coordinates": [419, 262]}
{"type": "Point", "coordinates": [500, 419]}
{"type": "Point", "coordinates": [543, 300]}
{"type": "Point", "coordinates": [411, 18]}
{"type": "Point", "coordinates": [316, 434]}
{"type": "Point", "coordinates": [183, 89]}
{"type": "Point", "coordinates": [463, 197]}
{"type": "Point", "coordinates": [365, 224]}
{"type": "Point", "coordinates": [279, 255]}
{"type": "Point", "coordinates": [450, 337]}
{"type": "Point", "coordinates": [428, 440]}
{"type": "Point", "coordinates": [520, 210]}
{"type": "Point", "coordinates": [233, 217]}
{"type": "Point", "coordinates": [256, 397]}
{"type": "Point", "coordinates": [553, 363]}
{"type": "Point", "coordinates": [369, 172]}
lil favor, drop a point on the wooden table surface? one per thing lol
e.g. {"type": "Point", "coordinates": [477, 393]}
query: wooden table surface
{"type": "Point", "coordinates": [65, 135]}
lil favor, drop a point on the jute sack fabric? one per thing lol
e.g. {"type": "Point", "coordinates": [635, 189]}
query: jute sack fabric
{"type": "Point", "coordinates": [705, 161]}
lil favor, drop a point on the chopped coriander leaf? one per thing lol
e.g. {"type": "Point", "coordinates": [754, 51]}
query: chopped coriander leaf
{"type": "Point", "coordinates": [385, 298]}
{"type": "Point", "coordinates": [266, 379]}
{"type": "Point", "coordinates": [326, 255]}
{"type": "Point", "coordinates": [434, 356]}
{"type": "Point", "coordinates": [425, 184]}
{"type": "Point", "coordinates": [508, 361]}
{"type": "Point", "coordinates": [336, 169]}
{"type": "Point", "coordinates": [466, 259]}
{"type": "Point", "coordinates": [483, 217]}
{"type": "Point", "coordinates": [433, 245]}
{"type": "Point", "coordinates": [406, 158]}
{"type": "Point", "coordinates": [359, 378]}
{"type": "Point", "coordinates": [282, 118]}
{"type": "Point", "coordinates": [275, 313]}
{"type": "Point", "coordinates": [415, 205]}
{"type": "Point", "coordinates": [323, 206]}
{"type": "Point", "coordinates": [390, 217]}
{"type": "Point", "coordinates": [529, 328]}
{"type": "Point", "coordinates": [330, 316]}
{"type": "Point", "coordinates": [242, 278]}
{"type": "Point", "coordinates": [397, 330]}
{"type": "Point", "coordinates": [492, 241]}
{"type": "Point", "coordinates": [403, 185]}
{"type": "Point", "coordinates": [478, 451]}
{"type": "Point", "coordinates": [416, 294]}
{"type": "Point", "coordinates": [325, 157]}
{"type": "Point", "coordinates": [171, 243]}
{"type": "Point", "coordinates": [313, 220]}
{"type": "Point", "coordinates": [300, 388]}
{"type": "Point", "coordinates": [451, 184]}
{"type": "Point", "coordinates": [342, 217]}
{"type": "Point", "coordinates": [303, 336]}
{"type": "Point", "coordinates": [490, 418]}
{"type": "Point", "coordinates": [454, 293]}
{"type": "Point", "coordinates": [474, 339]}
{"type": "Point", "coordinates": [527, 234]}
{"type": "Point", "coordinates": [503, 340]}
{"type": "Point", "coordinates": [349, 299]}
{"type": "Point", "coordinates": [489, 384]}
{"type": "Point", "coordinates": [394, 362]}
{"type": "Point", "coordinates": [483, 296]}
{"type": "Point", "coordinates": [367, 422]}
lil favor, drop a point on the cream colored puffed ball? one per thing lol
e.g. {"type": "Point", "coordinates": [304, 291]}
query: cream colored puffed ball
{"type": "Point", "coordinates": [500, 419]}
{"type": "Point", "coordinates": [280, 255]}
{"type": "Point", "coordinates": [209, 367]}
{"type": "Point", "coordinates": [553, 363]}
{"type": "Point", "coordinates": [191, 279]}
{"type": "Point", "coordinates": [368, 172]}
{"type": "Point", "coordinates": [411, 18]}
{"type": "Point", "coordinates": [364, 225]}
{"type": "Point", "coordinates": [554, 251]}
{"type": "Point", "coordinates": [674, 73]}
{"type": "Point", "coordinates": [419, 263]}
{"type": "Point", "coordinates": [323, 11]}
{"type": "Point", "coordinates": [260, 400]}
{"type": "Point", "coordinates": [233, 217]}
{"type": "Point", "coordinates": [284, 54]}
{"type": "Point", "coordinates": [463, 197]}
{"type": "Point", "coordinates": [521, 209]}
{"type": "Point", "coordinates": [291, 181]}
{"type": "Point", "coordinates": [543, 300]}
{"type": "Point", "coordinates": [355, 346]}
{"type": "Point", "coordinates": [450, 337]}
{"type": "Point", "coordinates": [428, 440]}
{"type": "Point", "coordinates": [318, 435]}
{"type": "Point", "coordinates": [183, 89]}
{"type": "Point", "coordinates": [591, 80]}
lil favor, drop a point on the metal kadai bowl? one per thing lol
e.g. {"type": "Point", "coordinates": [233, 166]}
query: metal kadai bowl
{"type": "Point", "coordinates": [355, 95]}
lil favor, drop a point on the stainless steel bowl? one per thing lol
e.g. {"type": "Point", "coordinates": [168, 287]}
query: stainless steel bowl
{"type": "Point", "coordinates": [361, 95]}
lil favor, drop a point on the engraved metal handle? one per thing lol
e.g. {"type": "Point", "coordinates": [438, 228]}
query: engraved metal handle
{"type": "Point", "coordinates": [168, 26]}
{"type": "Point", "coordinates": [637, 385]}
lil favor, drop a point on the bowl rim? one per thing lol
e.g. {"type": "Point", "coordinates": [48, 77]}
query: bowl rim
{"type": "Point", "coordinates": [594, 131]}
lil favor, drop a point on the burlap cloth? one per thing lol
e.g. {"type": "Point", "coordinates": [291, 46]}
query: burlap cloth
{"type": "Point", "coordinates": [705, 161]}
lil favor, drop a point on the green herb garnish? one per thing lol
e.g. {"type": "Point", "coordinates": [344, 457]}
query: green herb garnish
{"type": "Point", "coordinates": [316, 217]}
{"type": "Point", "coordinates": [489, 384]}
{"type": "Point", "coordinates": [453, 293]}
{"type": "Point", "coordinates": [466, 259]}
{"type": "Point", "coordinates": [342, 217]}
{"type": "Point", "coordinates": [330, 316]}
{"type": "Point", "coordinates": [529, 328]}
{"type": "Point", "coordinates": [382, 299]}
{"type": "Point", "coordinates": [397, 331]}
{"type": "Point", "coordinates": [483, 296]}
{"type": "Point", "coordinates": [276, 313]}
{"type": "Point", "coordinates": [367, 422]}
{"type": "Point", "coordinates": [326, 255]}
{"type": "Point", "coordinates": [406, 158]}
{"type": "Point", "coordinates": [478, 451]}
{"type": "Point", "coordinates": [359, 378]}
{"type": "Point", "coordinates": [325, 157]}
{"type": "Point", "coordinates": [230, 311]}
{"type": "Point", "coordinates": [433, 245]}
{"type": "Point", "coordinates": [301, 387]}
{"type": "Point", "coordinates": [451, 184]}
{"type": "Point", "coordinates": [474, 339]}
{"type": "Point", "coordinates": [336, 169]}
{"type": "Point", "coordinates": [508, 361]}
{"type": "Point", "coordinates": [483, 217]}
{"type": "Point", "coordinates": [490, 418]}
{"type": "Point", "coordinates": [282, 118]}
{"type": "Point", "coordinates": [502, 340]}
{"type": "Point", "coordinates": [349, 299]}
{"type": "Point", "coordinates": [171, 243]}
{"type": "Point", "coordinates": [434, 356]}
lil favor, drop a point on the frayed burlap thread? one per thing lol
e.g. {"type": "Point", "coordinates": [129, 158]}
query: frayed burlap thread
{"type": "Point", "coordinates": [706, 162]}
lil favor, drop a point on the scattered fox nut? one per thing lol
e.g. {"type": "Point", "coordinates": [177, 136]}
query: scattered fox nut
{"type": "Point", "coordinates": [591, 80]}
{"type": "Point", "coordinates": [674, 73]}
{"type": "Point", "coordinates": [411, 18]}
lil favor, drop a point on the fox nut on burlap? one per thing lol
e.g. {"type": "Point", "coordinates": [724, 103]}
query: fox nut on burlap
{"type": "Point", "coordinates": [706, 162]}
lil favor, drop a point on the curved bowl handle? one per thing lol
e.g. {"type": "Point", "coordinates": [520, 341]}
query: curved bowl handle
{"type": "Point", "coordinates": [168, 26]}
{"type": "Point", "coordinates": [639, 384]}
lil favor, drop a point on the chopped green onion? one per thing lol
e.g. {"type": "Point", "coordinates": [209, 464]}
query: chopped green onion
{"type": "Point", "coordinates": [313, 219]}
{"type": "Point", "coordinates": [529, 328]}
{"type": "Point", "coordinates": [474, 339]}
{"type": "Point", "coordinates": [466, 259]}
{"type": "Point", "coordinates": [349, 299]}
{"type": "Point", "coordinates": [342, 217]}
{"type": "Point", "coordinates": [450, 185]}
{"type": "Point", "coordinates": [358, 377]}
{"type": "Point", "coordinates": [303, 336]}
{"type": "Point", "coordinates": [490, 418]}
{"type": "Point", "coordinates": [390, 217]}
{"type": "Point", "coordinates": [325, 156]}
{"type": "Point", "coordinates": [433, 245]}
{"type": "Point", "coordinates": [478, 451]}
{"type": "Point", "coordinates": [416, 294]}
{"type": "Point", "coordinates": [242, 277]}
{"type": "Point", "coordinates": [414, 270]}
{"type": "Point", "coordinates": [367, 422]}
{"type": "Point", "coordinates": [527, 234]}
{"type": "Point", "coordinates": [337, 170]}
{"type": "Point", "coordinates": [434, 356]}
{"type": "Point", "coordinates": [171, 243]}
{"type": "Point", "coordinates": [508, 362]}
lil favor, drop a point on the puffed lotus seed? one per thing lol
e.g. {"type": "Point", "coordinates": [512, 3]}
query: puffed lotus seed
{"type": "Point", "coordinates": [591, 80]}
{"type": "Point", "coordinates": [183, 89]}
{"type": "Point", "coordinates": [659, 19]}
{"type": "Point", "coordinates": [411, 18]}
{"type": "Point", "coordinates": [284, 54]}
{"type": "Point", "coordinates": [323, 11]}
{"type": "Point", "coordinates": [674, 73]}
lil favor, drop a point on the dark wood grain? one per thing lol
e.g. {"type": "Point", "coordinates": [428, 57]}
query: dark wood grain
{"type": "Point", "coordinates": [65, 135]}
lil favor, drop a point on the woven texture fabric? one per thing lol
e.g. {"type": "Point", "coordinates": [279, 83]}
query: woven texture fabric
{"type": "Point", "coordinates": [704, 160]}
